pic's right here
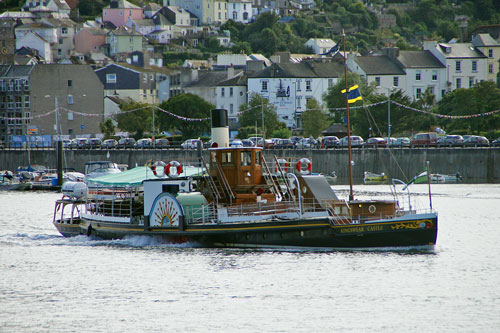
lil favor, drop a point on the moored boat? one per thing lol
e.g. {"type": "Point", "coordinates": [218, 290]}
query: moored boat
{"type": "Point", "coordinates": [371, 178]}
{"type": "Point", "coordinates": [437, 178]}
{"type": "Point", "coordinates": [235, 200]}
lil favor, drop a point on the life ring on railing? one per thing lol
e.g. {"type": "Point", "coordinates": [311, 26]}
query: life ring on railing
{"type": "Point", "coordinates": [156, 166]}
{"type": "Point", "coordinates": [281, 163]}
{"type": "Point", "coordinates": [307, 163]}
{"type": "Point", "coordinates": [170, 165]}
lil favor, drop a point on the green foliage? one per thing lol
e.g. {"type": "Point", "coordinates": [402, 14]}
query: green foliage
{"type": "Point", "coordinates": [282, 133]}
{"type": "Point", "coordinates": [187, 106]}
{"type": "Point", "coordinates": [245, 132]}
{"type": "Point", "coordinates": [259, 110]}
{"type": "Point", "coordinates": [92, 7]}
{"type": "Point", "coordinates": [314, 120]}
{"type": "Point", "coordinates": [138, 122]}
{"type": "Point", "coordinates": [107, 128]}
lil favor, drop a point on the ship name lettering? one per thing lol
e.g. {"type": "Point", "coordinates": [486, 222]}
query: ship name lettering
{"type": "Point", "coordinates": [354, 229]}
{"type": "Point", "coordinates": [375, 228]}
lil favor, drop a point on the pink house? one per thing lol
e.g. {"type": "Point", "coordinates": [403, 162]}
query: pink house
{"type": "Point", "coordinates": [90, 40]}
{"type": "Point", "coordinates": [119, 11]}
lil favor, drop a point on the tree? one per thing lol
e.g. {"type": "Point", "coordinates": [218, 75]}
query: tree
{"type": "Point", "coordinates": [108, 128]}
{"type": "Point", "coordinates": [259, 110]}
{"type": "Point", "coordinates": [187, 110]}
{"type": "Point", "coordinates": [314, 120]}
{"type": "Point", "coordinates": [138, 121]}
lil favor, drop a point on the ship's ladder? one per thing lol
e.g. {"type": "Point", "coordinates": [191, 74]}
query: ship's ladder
{"type": "Point", "coordinates": [270, 180]}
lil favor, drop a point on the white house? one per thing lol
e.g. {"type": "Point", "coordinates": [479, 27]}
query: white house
{"type": "Point", "coordinates": [240, 10]}
{"type": "Point", "coordinates": [288, 86]}
{"type": "Point", "coordinates": [490, 48]}
{"type": "Point", "coordinates": [231, 94]}
{"type": "Point", "coordinates": [465, 65]}
{"type": "Point", "coordinates": [34, 41]}
{"type": "Point", "coordinates": [320, 45]}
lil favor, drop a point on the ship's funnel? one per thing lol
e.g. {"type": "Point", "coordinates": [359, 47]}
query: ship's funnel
{"type": "Point", "coordinates": [220, 128]}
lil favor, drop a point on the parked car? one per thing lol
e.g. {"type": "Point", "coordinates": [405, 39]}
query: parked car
{"type": "Point", "coordinates": [109, 143]}
{"type": "Point", "coordinates": [450, 141]}
{"type": "Point", "coordinates": [125, 143]}
{"type": "Point", "coordinates": [162, 143]}
{"type": "Point", "coordinates": [496, 142]}
{"type": "Point", "coordinates": [476, 141]}
{"type": "Point", "coordinates": [356, 141]}
{"type": "Point", "coordinates": [306, 143]}
{"type": "Point", "coordinates": [400, 142]}
{"type": "Point", "coordinates": [247, 143]}
{"type": "Point", "coordinates": [257, 140]}
{"type": "Point", "coordinates": [284, 144]}
{"type": "Point", "coordinates": [375, 142]}
{"type": "Point", "coordinates": [330, 142]}
{"type": "Point", "coordinates": [79, 143]}
{"type": "Point", "coordinates": [191, 144]}
{"type": "Point", "coordinates": [296, 139]}
{"type": "Point", "coordinates": [95, 143]}
{"type": "Point", "coordinates": [145, 143]}
{"type": "Point", "coordinates": [236, 143]}
{"type": "Point", "coordinates": [428, 139]}
{"type": "Point", "coordinates": [66, 143]}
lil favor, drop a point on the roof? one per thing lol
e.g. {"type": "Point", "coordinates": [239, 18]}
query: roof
{"type": "Point", "coordinates": [303, 69]}
{"type": "Point", "coordinates": [322, 42]}
{"type": "Point", "coordinates": [208, 79]}
{"type": "Point", "coordinates": [135, 176]}
{"type": "Point", "coordinates": [15, 71]}
{"type": "Point", "coordinates": [122, 4]}
{"type": "Point", "coordinates": [125, 31]}
{"type": "Point", "coordinates": [152, 7]}
{"type": "Point", "coordinates": [484, 40]}
{"type": "Point", "coordinates": [237, 80]}
{"type": "Point", "coordinates": [419, 59]}
{"type": "Point", "coordinates": [459, 50]}
{"type": "Point", "coordinates": [378, 65]}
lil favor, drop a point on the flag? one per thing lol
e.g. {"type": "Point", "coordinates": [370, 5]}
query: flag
{"type": "Point", "coordinates": [354, 94]}
{"type": "Point", "coordinates": [334, 49]}
{"type": "Point", "coordinates": [422, 175]}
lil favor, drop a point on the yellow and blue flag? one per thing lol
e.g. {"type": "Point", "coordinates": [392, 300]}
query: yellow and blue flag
{"type": "Point", "coordinates": [353, 94]}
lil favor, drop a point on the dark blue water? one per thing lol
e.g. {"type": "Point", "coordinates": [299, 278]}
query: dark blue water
{"type": "Point", "coordinates": [52, 284]}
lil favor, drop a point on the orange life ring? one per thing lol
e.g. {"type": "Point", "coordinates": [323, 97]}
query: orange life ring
{"type": "Point", "coordinates": [304, 161]}
{"type": "Point", "coordinates": [155, 169]}
{"type": "Point", "coordinates": [173, 164]}
{"type": "Point", "coordinates": [283, 163]}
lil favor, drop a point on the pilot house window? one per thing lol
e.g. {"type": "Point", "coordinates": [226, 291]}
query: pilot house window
{"type": "Point", "coordinates": [246, 158]}
{"type": "Point", "coordinates": [226, 158]}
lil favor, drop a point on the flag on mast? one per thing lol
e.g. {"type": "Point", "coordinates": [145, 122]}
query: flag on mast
{"type": "Point", "coordinates": [353, 95]}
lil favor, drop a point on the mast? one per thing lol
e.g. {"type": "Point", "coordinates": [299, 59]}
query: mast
{"type": "Point", "coordinates": [351, 195]}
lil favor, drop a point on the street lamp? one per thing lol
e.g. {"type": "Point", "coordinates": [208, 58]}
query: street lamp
{"type": "Point", "coordinates": [57, 126]}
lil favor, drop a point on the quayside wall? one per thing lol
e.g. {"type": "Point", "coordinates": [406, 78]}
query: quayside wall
{"type": "Point", "coordinates": [476, 165]}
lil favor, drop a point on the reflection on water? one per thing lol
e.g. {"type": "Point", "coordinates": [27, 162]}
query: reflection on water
{"type": "Point", "coordinates": [50, 283]}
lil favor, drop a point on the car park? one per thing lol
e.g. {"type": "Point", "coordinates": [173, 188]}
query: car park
{"type": "Point", "coordinates": [476, 141]}
{"type": "Point", "coordinates": [191, 144]}
{"type": "Point", "coordinates": [428, 139]}
{"type": "Point", "coordinates": [450, 141]}
{"type": "Point", "coordinates": [125, 143]}
{"type": "Point", "coordinates": [162, 143]}
{"type": "Point", "coordinates": [356, 141]}
{"type": "Point", "coordinates": [330, 142]}
{"type": "Point", "coordinates": [375, 142]}
{"type": "Point", "coordinates": [95, 143]}
{"type": "Point", "coordinates": [109, 143]}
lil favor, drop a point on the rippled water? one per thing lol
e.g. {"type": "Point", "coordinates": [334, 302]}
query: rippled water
{"type": "Point", "coordinates": [52, 284]}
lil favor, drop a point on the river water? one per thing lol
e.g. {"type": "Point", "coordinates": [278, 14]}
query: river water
{"type": "Point", "coordinates": [52, 284]}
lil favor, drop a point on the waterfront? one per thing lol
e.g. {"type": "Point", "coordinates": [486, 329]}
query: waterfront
{"type": "Point", "coordinates": [53, 284]}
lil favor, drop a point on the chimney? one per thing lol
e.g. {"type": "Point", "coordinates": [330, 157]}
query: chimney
{"type": "Point", "coordinates": [230, 71]}
{"type": "Point", "coordinates": [391, 52]}
{"type": "Point", "coordinates": [254, 66]}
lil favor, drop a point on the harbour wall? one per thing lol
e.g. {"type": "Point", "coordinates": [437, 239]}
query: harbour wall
{"type": "Point", "coordinates": [475, 165]}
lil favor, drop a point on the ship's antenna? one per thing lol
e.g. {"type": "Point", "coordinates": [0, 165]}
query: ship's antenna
{"type": "Point", "coordinates": [351, 195]}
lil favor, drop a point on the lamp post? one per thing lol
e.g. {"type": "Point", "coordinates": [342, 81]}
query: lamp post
{"type": "Point", "coordinates": [388, 116]}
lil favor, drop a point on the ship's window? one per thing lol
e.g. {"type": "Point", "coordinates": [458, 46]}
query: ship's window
{"type": "Point", "coordinates": [257, 157]}
{"type": "Point", "coordinates": [227, 158]}
{"type": "Point", "coordinates": [213, 157]}
{"type": "Point", "coordinates": [246, 158]}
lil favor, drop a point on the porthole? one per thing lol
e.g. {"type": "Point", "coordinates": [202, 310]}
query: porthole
{"type": "Point", "coordinates": [372, 209]}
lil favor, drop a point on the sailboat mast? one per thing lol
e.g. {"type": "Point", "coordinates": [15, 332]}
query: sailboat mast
{"type": "Point", "coordinates": [351, 195]}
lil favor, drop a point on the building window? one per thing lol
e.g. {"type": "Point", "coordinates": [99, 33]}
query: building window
{"type": "Point", "coordinates": [419, 93]}
{"type": "Point", "coordinates": [19, 102]}
{"type": "Point", "coordinates": [490, 53]}
{"type": "Point", "coordinates": [70, 116]}
{"type": "Point", "coordinates": [377, 81]}
{"type": "Point", "coordinates": [434, 76]}
{"type": "Point", "coordinates": [121, 12]}
{"type": "Point", "coordinates": [235, 16]}
{"type": "Point", "coordinates": [474, 66]}
{"type": "Point", "coordinates": [231, 92]}
{"type": "Point", "coordinates": [395, 81]}
{"type": "Point", "coordinates": [308, 85]}
{"type": "Point", "coordinates": [490, 68]}
{"type": "Point", "coordinates": [457, 66]}
{"type": "Point", "coordinates": [231, 109]}
{"type": "Point", "coordinates": [26, 101]}
{"type": "Point", "coordinates": [70, 83]}
{"type": "Point", "coordinates": [264, 85]}
{"type": "Point", "coordinates": [59, 52]}
{"type": "Point", "coordinates": [330, 82]}
{"type": "Point", "coordinates": [110, 78]}
{"type": "Point", "coordinates": [2, 85]}
{"type": "Point", "coordinates": [70, 99]}
{"type": "Point", "coordinates": [298, 85]}
{"type": "Point", "coordinates": [244, 6]}
{"type": "Point", "coordinates": [145, 78]}
{"type": "Point", "coordinates": [64, 30]}
{"type": "Point", "coordinates": [431, 90]}
{"type": "Point", "coordinates": [299, 102]}
{"type": "Point", "coordinates": [471, 82]}
{"type": "Point", "coordinates": [27, 117]}
{"type": "Point", "coordinates": [418, 76]}
{"type": "Point", "coordinates": [459, 83]}
{"type": "Point", "coordinates": [60, 41]}
{"type": "Point", "coordinates": [18, 85]}
{"type": "Point", "coordinates": [222, 92]}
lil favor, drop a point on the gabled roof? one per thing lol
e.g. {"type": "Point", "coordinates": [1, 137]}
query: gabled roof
{"type": "Point", "coordinates": [459, 50]}
{"type": "Point", "coordinates": [322, 42]}
{"type": "Point", "coordinates": [238, 80]}
{"type": "Point", "coordinates": [122, 4]}
{"type": "Point", "coordinates": [116, 65]}
{"type": "Point", "coordinates": [152, 7]}
{"type": "Point", "coordinates": [419, 59]}
{"type": "Point", "coordinates": [125, 31]}
{"type": "Point", "coordinates": [484, 40]}
{"type": "Point", "coordinates": [160, 19]}
{"type": "Point", "coordinates": [378, 65]}
{"type": "Point", "coordinates": [15, 71]}
{"type": "Point", "coordinates": [96, 31]}
{"type": "Point", "coordinates": [305, 69]}
{"type": "Point", "coordinates": [208, 79]}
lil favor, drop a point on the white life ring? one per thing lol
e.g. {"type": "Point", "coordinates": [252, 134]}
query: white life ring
{"type": "Point", "coordinates": [170, 165]}
{"type": "Point", "coordinates": [281, 163]}
{"type": "Point", "coordinates": [301, 163]}
{"type": "Point", "coordinates": [157, 169]}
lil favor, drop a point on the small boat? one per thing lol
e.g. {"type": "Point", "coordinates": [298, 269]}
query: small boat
{"type": "Point", "coordinates": [371, 178]}
{"type": "Point", "coordinates": [234, 199]}
{"type": "Point", "coordinates": [437, 178]}
{"type": "Point", "coordinates": [9, 182]}
{"type": "Point", "coordinates": [67, 210]}
{"type": "Point", "coordinates": [96, 169]}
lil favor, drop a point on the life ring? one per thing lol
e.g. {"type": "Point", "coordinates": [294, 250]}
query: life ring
{"type": "Point", "coordinates": [372, 209]}
{"type": "Point", "coordinates": [304, 161]}
{"type": "Point", "coordinates": [155, 169]}
{"type": "Point", "coordinates": [281, 163]}
{"type": "Point", "coordinates": [173, 164]}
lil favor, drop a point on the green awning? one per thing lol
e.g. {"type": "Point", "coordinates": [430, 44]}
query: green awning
{"type": "Point", "coordinates": [135, 176]}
